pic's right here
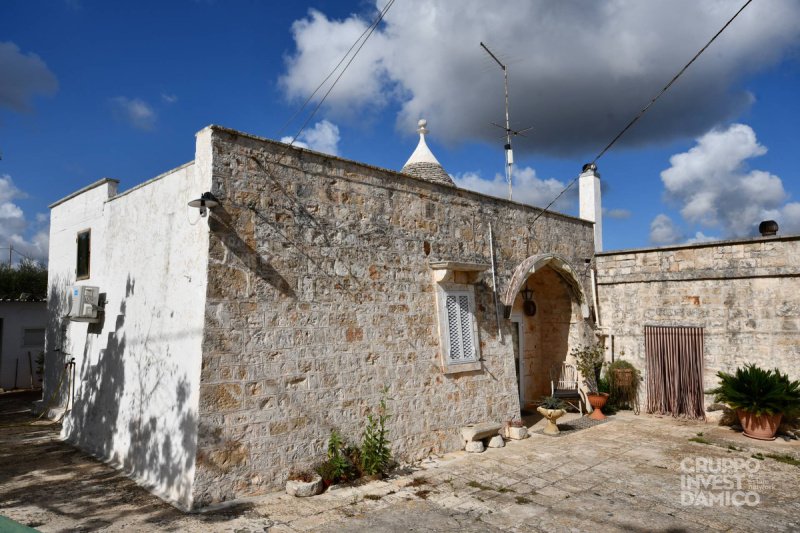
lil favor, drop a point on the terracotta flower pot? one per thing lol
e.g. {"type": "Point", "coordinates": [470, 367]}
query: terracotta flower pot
{"type": "Point", "coordinates": [762, 427]}
{"type": "Point", "coordinates": [623, 377]}
{"type": "Point", "coordinates": [551, 415]}
{"type": "Point", "coordinates": [597, 401]}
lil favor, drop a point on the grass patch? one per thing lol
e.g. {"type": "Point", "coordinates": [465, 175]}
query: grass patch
{"type": "Point", "coordinates": [734, 448]}
{"type": "Point", "coordinates": [522, 500]}
{"type": "Point", "coordinates": [422, 494]}
{"type": "Point", "coordinates": [481, 486]}
{"type": "Point", "coordinates": [373, 497]}
{"type": "Point", "coordinates": [700, 440]}
{"type": "Point", "coordinates": [757, 456]}
{"type": "Point", "coordinates": [788, 459]}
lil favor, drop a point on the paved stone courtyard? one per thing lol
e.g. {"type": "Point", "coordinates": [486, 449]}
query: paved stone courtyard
{"type": "Point", "coordinates": [624, 475]}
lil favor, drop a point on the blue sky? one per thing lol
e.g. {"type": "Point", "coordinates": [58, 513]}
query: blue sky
{"type": "Point", "coordinates": [96, 89]}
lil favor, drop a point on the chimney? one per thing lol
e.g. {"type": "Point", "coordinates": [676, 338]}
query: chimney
{"type": "Point", "coordinates": [767, 228]}
{"type": "Point", "coordinates": [591, 208]}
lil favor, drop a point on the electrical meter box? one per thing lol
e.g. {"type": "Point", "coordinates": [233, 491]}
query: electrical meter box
{"type": "Point", "coordinates": [85, 301]}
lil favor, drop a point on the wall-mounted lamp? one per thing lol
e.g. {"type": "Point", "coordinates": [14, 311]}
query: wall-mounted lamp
{"type": "Point", "coordinates": [205, 202]}
{"type": "Point", "coordinates": [528, 305]}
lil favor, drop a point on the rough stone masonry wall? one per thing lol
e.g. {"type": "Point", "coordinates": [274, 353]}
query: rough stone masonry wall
{"type": "Point", "coordinates": [320, 295]}
{"type": "Point", "coordinates": [745, 294]}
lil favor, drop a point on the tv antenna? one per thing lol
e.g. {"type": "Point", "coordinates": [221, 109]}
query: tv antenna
{"type": "Point", "coordinates": [507, 129]}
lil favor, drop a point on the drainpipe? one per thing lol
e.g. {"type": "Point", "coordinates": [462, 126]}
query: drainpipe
{"type": "Point", "coordinates": [594, 297]}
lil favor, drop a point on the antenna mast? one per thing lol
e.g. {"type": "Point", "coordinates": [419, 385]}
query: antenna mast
{"type": "Point", "coordinates": [509, 153]}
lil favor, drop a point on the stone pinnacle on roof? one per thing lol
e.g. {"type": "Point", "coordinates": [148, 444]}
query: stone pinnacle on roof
{"type": "Point", "coordinates": [423, 164]}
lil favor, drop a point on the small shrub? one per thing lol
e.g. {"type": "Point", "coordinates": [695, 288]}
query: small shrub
{"type": "Point", "coordinates": [341, 468]}
{"type": "Point", "coordinates": [326, 472]}
{"type": "Point", "coordinates": [551, 402]}
{"type": "Point", "coordinates": [375, 452]}
{"type": "Point", "coordinates": [758, 391]}
{"type": "Point", "coordinates": [624, 381]}
{"type": "Point", "coordinates": [590, 361]}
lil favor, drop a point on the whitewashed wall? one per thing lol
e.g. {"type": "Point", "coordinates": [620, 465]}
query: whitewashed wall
{"type": "Point", "coordinates": [138, 371]}
{"type": "Point", "coordinates": [17, 317]}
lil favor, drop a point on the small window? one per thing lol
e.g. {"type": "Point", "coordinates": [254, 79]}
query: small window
{"type": "Point", "coordinates": [33, 337]}
{"type": "Point", "coordinates": [458, 328]}
{"type": "Point", "coordinates": [84, 254]}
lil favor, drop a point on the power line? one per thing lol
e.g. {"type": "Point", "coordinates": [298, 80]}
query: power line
{"type": "Point", "coordinates": [667, 86]}
{"type": "Point", "coordinates": [644, 109]}
{"type": "Point", "coordinates": [368, 32]}
{"type": "Point", "coordinates": [11, 250]}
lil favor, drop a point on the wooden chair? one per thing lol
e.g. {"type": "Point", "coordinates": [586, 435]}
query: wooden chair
{"type": "Point", "coordinates": [564, 385]}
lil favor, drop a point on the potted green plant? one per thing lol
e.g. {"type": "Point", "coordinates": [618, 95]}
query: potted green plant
{"type": "Point", "coordinates": [759, 397]}
{"type": "Point", "coordinates": [590, 360]}
{"type": "Point", "coordinates": [624, 380]}
{"type": "Point", "coordinates": [552, 409]}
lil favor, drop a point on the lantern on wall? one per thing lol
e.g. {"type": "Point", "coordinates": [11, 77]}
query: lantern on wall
{"type": "Point", "coordinates": [528, 305]}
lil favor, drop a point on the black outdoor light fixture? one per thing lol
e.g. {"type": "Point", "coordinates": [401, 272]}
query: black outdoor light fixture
{"type": "Point", "coordinates": [205, 202]}
{"type": "Point", "coordinates": [528, 305]}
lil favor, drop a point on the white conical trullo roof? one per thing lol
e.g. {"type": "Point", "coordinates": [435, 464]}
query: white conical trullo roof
{"type": "Point", "coordinates": [423, 164]}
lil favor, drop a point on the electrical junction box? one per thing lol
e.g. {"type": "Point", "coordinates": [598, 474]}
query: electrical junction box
{"type": "Point", "coordinates": [84, 303]}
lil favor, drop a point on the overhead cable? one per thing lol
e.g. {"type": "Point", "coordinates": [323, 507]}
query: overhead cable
{"type": "Point", "coordinates": [644, 109]}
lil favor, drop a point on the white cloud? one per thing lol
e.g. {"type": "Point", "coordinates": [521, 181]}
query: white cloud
{"type": "Point", "coordinates": [23, 75]}
{"type": "Point", "coordinates": [664, 231]}
{"type": "Point", "coordinates": [323, 137]}
{"type": "Point", "coordinates": [14, 226]}
{"type": "Point", "coordinates": [135, 112]}
{"type": "Point", "coordinates": [701, 237]}
{"type": "Point", "coordinates": [715, 189]}
{"type": "Point", "coordinates": [617, 213]}
{"type": "Point", "coordinates": [169, 98]}
{"type": "Point", "coordinates": [787, 217]}
{"type": "Point", "coordinates": [578, 70]}
{"type": "Point", "coordinates": [527, 188]}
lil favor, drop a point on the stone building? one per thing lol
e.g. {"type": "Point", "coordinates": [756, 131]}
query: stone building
{"type": "Point", "coordinates": [230, 346]}
{"type": "Point", "coordinates": [744, 295]}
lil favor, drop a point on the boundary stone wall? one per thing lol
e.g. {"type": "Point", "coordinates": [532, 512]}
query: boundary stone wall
{"type": "Point", "coordinates": [745, 294]}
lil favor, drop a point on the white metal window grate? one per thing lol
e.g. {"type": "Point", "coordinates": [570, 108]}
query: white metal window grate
{"type": "Point", "coordinates": [460, 328]}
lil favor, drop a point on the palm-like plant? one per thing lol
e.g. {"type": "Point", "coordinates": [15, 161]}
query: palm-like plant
{"type": "Point", "coordinates": [758, 391]}
{"type": "Point", "coordinates": [551, 402]}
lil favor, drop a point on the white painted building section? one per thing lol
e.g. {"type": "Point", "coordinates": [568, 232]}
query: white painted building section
{"type": "Point", "coordinates": [22, 326]}
{"type": "Point", "coordinates": [590, 205]}
{"type": "Point", "coordinates": [137, 372]}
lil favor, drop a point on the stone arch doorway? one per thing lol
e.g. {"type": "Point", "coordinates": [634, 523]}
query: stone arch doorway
{"type": "Point", "coordinates": [544, 340]}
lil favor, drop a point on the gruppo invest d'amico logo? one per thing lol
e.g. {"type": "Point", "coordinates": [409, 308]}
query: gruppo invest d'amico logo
{"type": "Point", "coordinates": [719, 481]}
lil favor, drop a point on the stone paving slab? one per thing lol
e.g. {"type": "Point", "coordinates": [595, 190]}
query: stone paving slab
{"type": "Point", "coordinates": [624, 475]}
